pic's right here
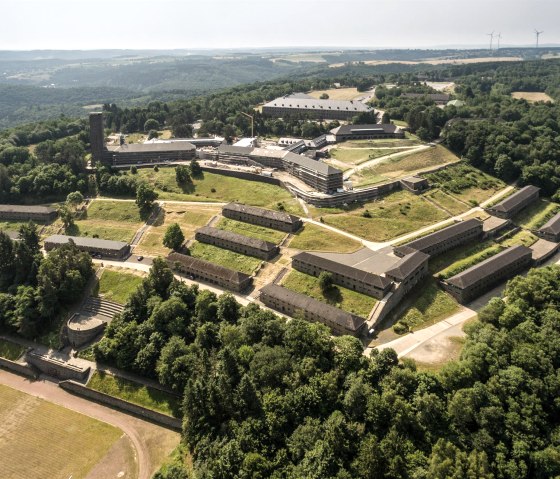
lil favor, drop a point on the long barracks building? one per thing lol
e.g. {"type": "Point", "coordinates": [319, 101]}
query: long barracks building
{"type": "Point", "coordinates": [107, 248]}
{"type": "Point", "coordinates": [276, 220]}
{"type": "Point", "coordinates": [513, 204]}
{"type": "Point", "coordinates": [27, 213]}
{"type": "Point", "coordinates": [237, 242]}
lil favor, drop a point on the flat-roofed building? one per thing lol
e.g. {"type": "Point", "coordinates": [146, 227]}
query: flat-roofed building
{"type": "Point", "coordinates": [209, 272]}
{"type": "Point", "coordinates": [41, 214]}
{"type": "Point", "coordinates": [480, 278]}
{"type": "Point", "coordinates": [294, 304]}
{"type": "Point", "coordinates": [312, 108]}
{"type": "Point", "coordinates": [513, 204]}
{"type": "Point", "coordinates": [276, 220]}
{"type": "Point", "coordinates": [106, 248]}
{"type": "Point", "coordinates": [444, 239]}
{"type": "Point", "coordinates": [551, 229]}
{"type": "Point", "coordinates": [237, 242]}
{"type": "Point", "coordinates": [415, 184]}
{"type": "Point", "coordinates": [347, 276]}
{"type": "Point", "coordinates": [367, 132]}
{"type": "Point", "coordinates": [135, 153]}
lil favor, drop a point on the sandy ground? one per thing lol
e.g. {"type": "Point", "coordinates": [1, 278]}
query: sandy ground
{"type": "Point", "coordinates": [152, 443]}
{"type": "Point", "coordinates": [531, 96]}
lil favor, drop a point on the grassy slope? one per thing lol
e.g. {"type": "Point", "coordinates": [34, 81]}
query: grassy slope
{"type": "Point", "coordinates": [345, 299]}
{"type": "Point", "coordinates": [136, 393]}
{"type": "Point", "coordinates": [46, 440]}
{"type": "Point", "coordinates": [315, 238]}
{"type": "Point", "coordinates": [117, 286]}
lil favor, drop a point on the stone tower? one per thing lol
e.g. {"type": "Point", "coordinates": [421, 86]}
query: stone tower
{"type": "Point", "coordinates": [96, 136]}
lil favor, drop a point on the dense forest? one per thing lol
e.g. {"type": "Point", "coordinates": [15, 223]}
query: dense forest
{"type": "Point", "coordinates": [266, 398]}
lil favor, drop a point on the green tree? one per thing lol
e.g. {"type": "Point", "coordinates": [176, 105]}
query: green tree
{"type": "Point", "coordinates": [196, 169]}
{"type": "Point", "coordinates": [182, 175]}
{"type": "Point", "coordinates": [66, 216]}
{"type": "Point", "coordinates": [151, 124]}
{"type": "Point", "coordinates": [326, 282]}
{"type": "Point", "coordinates": [74, 199]}
{"type": "Point", "coordinates": [173, 237]}
{"type": "Point", "coordinates": [145, 197]}
{"type": "Point", "coordinates": [7, 261]}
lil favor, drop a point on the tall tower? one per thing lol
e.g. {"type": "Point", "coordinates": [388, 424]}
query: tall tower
{"type": "Point", "coordinates": [96, 136]}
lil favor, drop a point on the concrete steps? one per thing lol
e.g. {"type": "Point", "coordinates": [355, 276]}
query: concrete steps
{"type": "Point", "coordinates": [102, 307]}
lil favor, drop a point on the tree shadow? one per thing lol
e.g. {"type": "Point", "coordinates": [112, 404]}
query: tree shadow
{"type": "Point", "coordinates": [187, 188]}
{"type": "Point", "coordinates": [73, 230]}
{"type": "Point", "coordinates": [333, 295]}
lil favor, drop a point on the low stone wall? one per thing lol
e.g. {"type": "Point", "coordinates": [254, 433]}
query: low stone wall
{"type": "Point", "coordinates": [18, 368]}
{"type": "Point", "coordinates": [56, 368]}
{"type": "Point", "coordinates": [244, 175]}
{"type": "Point", "coordinates": [121, 404]}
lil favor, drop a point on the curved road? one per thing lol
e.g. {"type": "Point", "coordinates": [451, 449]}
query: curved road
{"type": "Point", "coordinates": [130, 425]}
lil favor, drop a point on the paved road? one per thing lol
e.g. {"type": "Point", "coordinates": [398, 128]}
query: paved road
{"type": "Point", "coordinates": [133, 427]}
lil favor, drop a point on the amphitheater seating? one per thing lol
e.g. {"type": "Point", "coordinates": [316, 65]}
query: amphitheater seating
{"type": "Point", "coordinates": [102, 307]}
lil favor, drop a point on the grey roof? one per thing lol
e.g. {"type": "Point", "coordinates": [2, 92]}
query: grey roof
{"type": "Point", "coordinates": [407, 265]}
{"type": "Point", "coordinates": [239, 150]}
{"type": "Point", "coordinates": [87, 242]}
{"type": "Point", "coordinates": [299, 95]}
{"type": "Point", "coordinates": [47, 210]}
{"type": "Point", "coordinates": [237, 238]}
{"type": "Point", "coordinates": [489, 266]}
{"type": "Point", "coordinates": [364, 129]}
{"type": "Point", "coordinates": [552, 226]}
{"type": "Point", "coordinates": [235, 277]}
{"type": "Point", "coordinates": [315, 104]}
{"type": "Point", "coordinates": [153, 147]}
{"type": "Point", "coordinates": [349, 271]}
{"type": "Point", "coordinates": [262, 212]}
{"type": "Point", "coordinates": [310, 164]}
{"type": "Point", "coordinates": [414, 180]}
{"type": "Point", "coordinates": [444, 234]}
{"type": "Point", "coordinates": [347, 320]}
{"type": "Point", "coordinates": [514, 200]}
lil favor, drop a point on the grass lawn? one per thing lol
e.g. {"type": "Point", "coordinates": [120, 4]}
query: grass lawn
{"type": "Point", "coordinates": [536, 215]}
{"type": "Point", "coordinates": [104, 230]}
{"type": "Point", "coordinates": [338, 93]}
{"type": "Point", "coordinates": [453, 353]}
{"type": "Point", "coordinates": [120, 211]}
{"type": "Point", "coordinates": [394, 215]}
{"type": "Point", "coordinates": [41, 439]}
{"type": "Point", "coordinates": [448, 202]}
{"type": "Point", "coordinates": [525, 238]}
{"type": "Point", "coordinates": [445, 260]}
{"type": "Point", "coordinates": [253, 231]}
{"type": "Point", "coordinates": [10, 350]}
{"type": "Point", "coordinates": [225, 257]}
{"type": "Point", "coordinates": [315, 238]}
{"type": "Point", "coordinates": [189, 218]}
{"type": "Point", "coordinates": [384, 143]}
{"type": "Point", "coordinates": [355, 156]}
{"type": "Point", "coordinates": [12, 225]}
{"type": "Point", "coordinates": [219, 188]}
{"type": "Point", "coordinates": [428, 305]}
{"type": "Point", "coordinates": [342, 298]}
{"type": "Point", "coordinates": [117, 286]}
{"type": "Point", "coordinates": [136, 393]}
{"type": "Point", "coordinates": [472, 255]}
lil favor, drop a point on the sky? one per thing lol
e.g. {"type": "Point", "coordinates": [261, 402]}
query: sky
{"type": "Point", "coordinates": [188, 24]}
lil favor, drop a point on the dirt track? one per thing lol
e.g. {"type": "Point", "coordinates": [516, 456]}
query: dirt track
{"type": "Point", "coordinates": [141, 433]}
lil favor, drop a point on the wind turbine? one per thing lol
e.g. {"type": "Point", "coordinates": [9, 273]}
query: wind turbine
{"type": "Point", "coordinates": [499, 36]}
{"type": "Point", "coordinates": [538, 34]}
{"type": "Point", "coordinates": [491, 35]}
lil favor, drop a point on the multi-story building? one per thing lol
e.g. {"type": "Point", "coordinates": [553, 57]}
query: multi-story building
{"type": "Point", "coordinates": [347, 276]}
{"type": "Point", "coordinates": [551, 229]}
{"type": "Point", "coordinates": [106, 248]}
{"type": "Point", "coordinates": [42, 214]}
{"type": "Point", "coordinates": [513, 204]}
{"type": "Point", "coordinates": [444, 239]}
{"type": "Point", "coordinates": [409, 270]}
{"type": "Point", "coordinates": [295, 304]}
{"type": "Point", "coordinates": [304, 106]}
{"type": "Point", "coordinates": [481, 277]}
{"type": "Point", "coordinates": [209, 272]}
{"type": "Point", "coordinates": [276, 220]}
{"type": "Point", "coordinates": [237, 242]}
{"type": "Point", "coordinates": [366, 132]}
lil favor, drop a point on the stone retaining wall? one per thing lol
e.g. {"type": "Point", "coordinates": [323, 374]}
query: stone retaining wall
{"type": "Point", "coordinates": [18, 368]}
{"type": "Point", "coordinates": [55, 367]}
{"type": "Point", "coordinates": [244, 175]}
{"type": "Point", "coordinates": [121, 404]}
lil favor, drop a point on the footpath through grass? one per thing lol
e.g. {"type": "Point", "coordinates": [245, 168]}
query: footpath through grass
{"type": "Point", "coordinates": [342, 298]}
{"type": "Point", "coordinates": [43, 440]}
{"type": "Point", "coordinates": [136, 393]}
{"type": "Point", "coordinates": [10, 350]}
{"type": "Point", "coordinates": [117, 286]}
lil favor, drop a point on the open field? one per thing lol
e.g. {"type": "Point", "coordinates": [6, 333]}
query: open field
{"type": "Point", "coordinates": [338, 93]}
{"type": "Point", "coordinates": [356, 156]}
{"type": "Point", "coordinates": [393, 215]}
{"type": "Point", "coordinates": [342, 298]}
{"type": "Point", "coordinates": [302, 57]}
{"type": "Point", "coordinates": [455, 255]}
{"type": "Point", "coordinates": [525, 238]}
{"type": "Point", "coordinates": [436, 61]}
{"type": "Point", "coordinates": [466, 183]}
{"type": "Point", "coordinates": [225, 257]}
{"type": "Point", "coordinates": [449, 349]}
{"type": "Point", "coordinates": [428, 304]}
{"type": "Point", "coordinates": [407, 142]}
{"type": "Point", "coordinates": [136, 393]}
{"type": "Point", "coordinates": [219, 188]}
{"type": "Point", "coordinates": [253, 231]}
{"type": "Point", "coordinates": [536, 214]}
{"type": "Point", "coordinates": [117, 286]}
{"type": "Point", "coordinates": [10, 350]}
{"type": "Point", "coordinates": [41, 439]}
{"type": "Point", "coordinates": [119, 211]}
{"type": "Point", "coordinates": [97, 229]}
{"type": "Point", "coordinates": [189, 218]}
{"type": "Point", "coordinates": [531, 96]}
{"type": "Point", "coordinates": [447, 202]}
{"type": "Point", "coordinates": [477, 254]}
{"type": "Point", "coordinates": [315, 238]}
{"type": "Point", "coordinates": [405, 165]}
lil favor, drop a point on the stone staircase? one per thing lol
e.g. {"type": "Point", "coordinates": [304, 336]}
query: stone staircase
{"type": "Point", "coordinates": [102, 307]}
